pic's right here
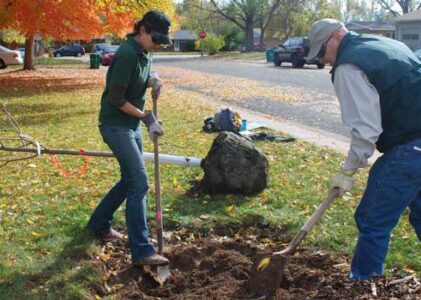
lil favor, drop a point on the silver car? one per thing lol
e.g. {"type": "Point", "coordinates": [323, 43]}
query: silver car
{"type": "Point", "coordinates": [9, 57]}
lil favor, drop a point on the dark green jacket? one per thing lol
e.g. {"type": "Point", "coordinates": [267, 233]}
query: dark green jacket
{"type": "Point", "coordinates": [395, 72]}
{"type": "Point", "coordinates": [130, 69]}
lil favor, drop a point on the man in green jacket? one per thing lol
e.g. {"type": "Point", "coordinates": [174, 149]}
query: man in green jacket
{"type": "Point", "coordinates": [378, 83]}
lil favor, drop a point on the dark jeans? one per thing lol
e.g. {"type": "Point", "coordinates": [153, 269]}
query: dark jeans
{"type": "Point", "coordinates": [126, 145]}
{"type": "Point", "coordinates": [394, 183]}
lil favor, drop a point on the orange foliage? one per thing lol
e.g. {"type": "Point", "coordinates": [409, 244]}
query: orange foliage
{"type": "Point", "coordinates": [59, 19]}
{"type": "Point", "coordinates": [70, 19]}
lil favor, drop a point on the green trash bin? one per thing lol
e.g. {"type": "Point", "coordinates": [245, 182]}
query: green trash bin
{"type": "Point", "coordinates": [269, 54]}
{"type": "Point", "coordinates": [94, 61]}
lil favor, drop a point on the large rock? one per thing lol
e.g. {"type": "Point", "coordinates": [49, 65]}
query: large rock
{"type": "Point", "coordinates": [234, 165]}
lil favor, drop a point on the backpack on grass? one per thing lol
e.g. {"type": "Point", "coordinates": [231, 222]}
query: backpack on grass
{"type": "Point", "coordinates": [224, 120]}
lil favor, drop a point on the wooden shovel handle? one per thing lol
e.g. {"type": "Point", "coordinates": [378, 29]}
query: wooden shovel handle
{"type": "Point", "coordinates": [159, 225]}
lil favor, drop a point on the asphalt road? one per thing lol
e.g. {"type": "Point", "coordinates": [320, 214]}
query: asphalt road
{"type": "Point", "coordinates": [318, 107]}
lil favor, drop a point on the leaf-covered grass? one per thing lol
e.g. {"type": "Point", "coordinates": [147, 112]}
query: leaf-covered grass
{"type": "Point", "coordinates": [44, 250]}
{"type": "Point", "coordinates": [251, 56]}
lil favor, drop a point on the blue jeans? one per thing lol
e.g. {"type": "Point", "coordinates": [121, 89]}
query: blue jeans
{"type": "Point", "coordinates": [394, 183]}
{"type": "Point", "coordinates": [126, 145]}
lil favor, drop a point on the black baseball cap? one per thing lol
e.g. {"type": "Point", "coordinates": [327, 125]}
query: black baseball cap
{"type": "Point", "coordinates": [158, 24]}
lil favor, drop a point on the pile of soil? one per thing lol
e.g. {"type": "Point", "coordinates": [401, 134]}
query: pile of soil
{"type": "Point", "coordinates": [220, 267]}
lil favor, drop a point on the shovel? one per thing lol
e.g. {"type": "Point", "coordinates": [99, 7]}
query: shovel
{"type": "Point", "coordinates": [268, 269]}
{"type": "Point", "coordinates": [162, 272]}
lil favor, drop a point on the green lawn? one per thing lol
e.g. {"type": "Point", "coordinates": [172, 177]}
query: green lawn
{"type": "Point", "coordinates": [44, 251]}
{"type": "Point", "coordinates": [62, 62]}
{"type": "Point", "coordinates": [241, 55]}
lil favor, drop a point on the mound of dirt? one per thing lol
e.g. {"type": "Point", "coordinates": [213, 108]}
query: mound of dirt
{"type": "Point", "coordinates": [220, 268]}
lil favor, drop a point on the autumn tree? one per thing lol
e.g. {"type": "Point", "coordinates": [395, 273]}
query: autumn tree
{"type": "Point", "coordinates": [73, 20]}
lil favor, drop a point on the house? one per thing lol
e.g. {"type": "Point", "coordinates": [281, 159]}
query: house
{"type": "Point", "coordinates": [183, 40]}
{"type": "Point", "coordinates": [408, 29]}
{"type": "Point", "coordinates": [386, 29]}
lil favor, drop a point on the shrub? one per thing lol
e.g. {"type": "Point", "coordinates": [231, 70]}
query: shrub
{"type": "Point", "coordinates": [211, 44]}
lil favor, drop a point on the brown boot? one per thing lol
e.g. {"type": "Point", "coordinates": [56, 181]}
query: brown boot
{"type": "Point", "coordinates": [153, 260]}
{"type": "Point", "coordinates": [112, 235]}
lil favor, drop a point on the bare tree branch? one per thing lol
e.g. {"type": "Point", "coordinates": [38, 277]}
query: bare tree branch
{"type": "Point", "coordinates": [387, 6]}
{"type": "Point", "coordinates": [220, 11]}
{"type": "Point", "coordinates": [272, 10]}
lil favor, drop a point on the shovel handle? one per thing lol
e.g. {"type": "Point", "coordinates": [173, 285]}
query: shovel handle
{"type": "Point", "coordinates": [159, 226]}
{"type": "Point", "coordinates": [308, 226]}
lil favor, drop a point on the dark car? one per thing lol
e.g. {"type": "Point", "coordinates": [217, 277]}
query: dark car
{"type": "Point", "coordinates": [74, 50]}
{"type": "Point", "coordinates": [107, 55]}
{"type": "Point", "coordinates": [98, 48]}
{"type": "Point", "coordinates": [295, 51]}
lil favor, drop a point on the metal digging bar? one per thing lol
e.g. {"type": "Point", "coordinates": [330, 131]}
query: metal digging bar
{"type": "Point", "coordinates": [164, 158]}
{"type": "Point", "coordinates": [29, 145]}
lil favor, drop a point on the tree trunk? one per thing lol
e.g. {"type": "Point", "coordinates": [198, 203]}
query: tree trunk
{"type": "Point", "coordinates": [262, 34]}
{"type": "Point", "coordinates": [249, 33]}
{"type": "Point", "coordinates": [262, 43]}
{"type": "Point", "coordinates": [28, 63]}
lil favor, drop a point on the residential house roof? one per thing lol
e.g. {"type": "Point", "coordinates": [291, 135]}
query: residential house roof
{"type": "Point", "coordinates": [370, 26]}
{"type": "Point", "coordinates": [411, 16]}
{"type": "Point", "coordinates": [185, 35]}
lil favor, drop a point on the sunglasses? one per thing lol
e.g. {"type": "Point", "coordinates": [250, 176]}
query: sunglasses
{"type": "Point", "coordinates": [322, 51]}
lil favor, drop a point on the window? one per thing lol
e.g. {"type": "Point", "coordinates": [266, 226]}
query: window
{"type": "Point", "coordinates": [410, 33]}
{"type": "Point", "coordinates": [296, 42]}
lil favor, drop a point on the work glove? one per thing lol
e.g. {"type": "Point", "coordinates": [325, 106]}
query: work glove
{"type": "Point", "coordinates": [154, 129]}
{"type": "Point", "coordinates": [344, 180]}
{"type": "Point", "coordinates": [156, 84]}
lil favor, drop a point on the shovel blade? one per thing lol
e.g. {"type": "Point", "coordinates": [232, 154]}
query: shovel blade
{"type": "Point", "coordinates": [265, 281]}
{"type": "Point", "coordinates": [163, 272]}
{"type": "Point", "coordinates": [155, 274]}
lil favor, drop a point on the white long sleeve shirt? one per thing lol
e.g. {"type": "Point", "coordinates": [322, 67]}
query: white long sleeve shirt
{"type": "Point", "coordinates": [360, 109]}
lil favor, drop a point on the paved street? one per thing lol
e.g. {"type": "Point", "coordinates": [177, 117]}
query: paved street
{"type": "Point", "coordinates": [318, 107]}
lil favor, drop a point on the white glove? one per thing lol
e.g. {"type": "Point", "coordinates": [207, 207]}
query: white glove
{"type": "Point", "coordinates": [156, 84]}
{"type": "Point", "coordinates": [154, 129]}
{"type": "Point", "coordinates": [344, 180]}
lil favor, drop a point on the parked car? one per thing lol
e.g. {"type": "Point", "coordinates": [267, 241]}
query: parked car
{"type": "Point", "coordinates": [98, 48]}
{"type": "Point", "coordinates": [73, 50]}
{"type": "Point", "coordinates": [108, 54]}
{"type": "Point", "coordinates": [259, 47]}
{"type": "Point", "coordinates": [22, 51]}
{"type": "Point", "coordinates": [418, 53]}
{"type": "Point", "coordinates": [295, 51]}
{"type": "Point", "coordinates": [9, 57]}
